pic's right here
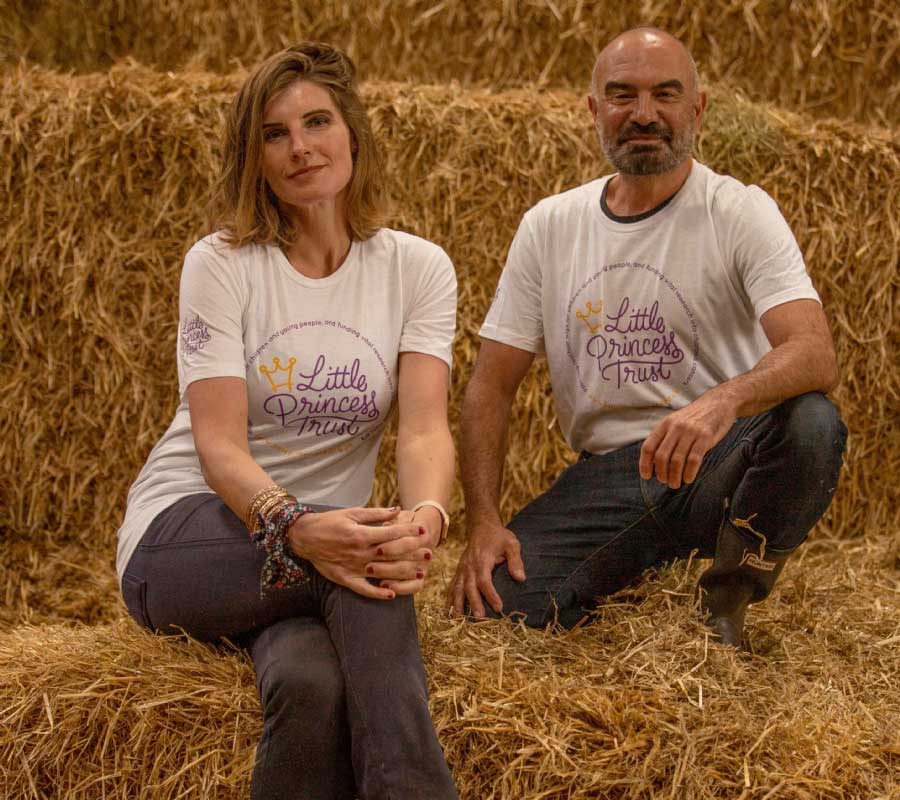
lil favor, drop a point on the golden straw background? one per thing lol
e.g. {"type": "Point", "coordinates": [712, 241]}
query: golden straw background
{"type": "Point", "coordinates": [105, 178]}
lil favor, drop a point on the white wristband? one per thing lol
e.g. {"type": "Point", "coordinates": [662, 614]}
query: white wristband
{"type": "Point", "coordinates": [445, 517]}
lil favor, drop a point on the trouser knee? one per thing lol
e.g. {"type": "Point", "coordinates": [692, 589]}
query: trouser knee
{"type": "Point", "coordinates": [814, 436]}
{"type": "Point", "coordinates": [289, 695]}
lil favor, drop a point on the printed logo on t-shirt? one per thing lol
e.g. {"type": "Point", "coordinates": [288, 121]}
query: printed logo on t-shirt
{"type": "Point", "coordinates": [320, 395]}
{"type": "Point", "coordinates": [619, 338]}
{"type": "Point", "coordinates": [194, 335]}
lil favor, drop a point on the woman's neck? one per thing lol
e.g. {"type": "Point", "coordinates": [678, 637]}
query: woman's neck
{"type": "Point", "coordinates": [321, 240]}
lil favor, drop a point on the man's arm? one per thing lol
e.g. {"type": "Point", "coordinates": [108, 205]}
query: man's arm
{"type": "Point", "coordinates": [802, 360]}
{"type": "Point", "coordinates": [489, 397]}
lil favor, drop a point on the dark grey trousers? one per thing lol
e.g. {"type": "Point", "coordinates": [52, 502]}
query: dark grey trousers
{"type": "Point", "coordinates": [340, 676]}
{"type": "Point", "coordinates": [601, 525]}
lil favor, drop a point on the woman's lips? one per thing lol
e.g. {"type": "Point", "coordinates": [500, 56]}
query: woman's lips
{"type": "Point", "coordinates": [302, 173]}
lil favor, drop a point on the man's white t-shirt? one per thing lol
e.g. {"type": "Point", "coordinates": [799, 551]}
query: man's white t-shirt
{"type": "Point", "coordinates": [320, 358]}
{"type": "Point", "coordinates": [640, 318]}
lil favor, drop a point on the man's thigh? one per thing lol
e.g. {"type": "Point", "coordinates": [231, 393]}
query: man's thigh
{"type": "Point", "coordinates": [590, 534]}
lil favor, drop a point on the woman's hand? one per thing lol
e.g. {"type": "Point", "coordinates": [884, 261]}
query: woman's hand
{"type": "Point", "coordinates": [343, 544]}
{"type": "Point", "coordinates": [404, 572]}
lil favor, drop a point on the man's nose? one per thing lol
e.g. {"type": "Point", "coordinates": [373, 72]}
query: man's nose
{"type": "Point", "coordinates": [645, 110]}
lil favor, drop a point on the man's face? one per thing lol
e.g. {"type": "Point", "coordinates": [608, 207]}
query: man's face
{"type": "Point", "coordinates": [646, 105]}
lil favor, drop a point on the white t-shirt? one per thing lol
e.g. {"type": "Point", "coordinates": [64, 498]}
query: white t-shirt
{"type": "Point", "coordinates": [319, 356]}
{"type": "Point", "coordinates": [639, 318]}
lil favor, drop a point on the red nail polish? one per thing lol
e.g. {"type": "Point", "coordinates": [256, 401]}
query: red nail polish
{"type": "Point", "coordinates": [370, 570]}
{"type": "Point", "coordinates": [419, 574]}
{"type": "Point", "coordinates": [379, 552]}
{"type": "Point", "coordinates": [428, 556]}
{"type": "Point", "coordinates": [421, 531]}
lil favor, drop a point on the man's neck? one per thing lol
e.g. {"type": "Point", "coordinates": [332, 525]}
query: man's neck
{"type": "Point", "coordinates": [630, 195]}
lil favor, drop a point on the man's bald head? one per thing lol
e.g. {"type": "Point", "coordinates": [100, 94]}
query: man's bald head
{"type": "Point", "coordinates": [644, 41]}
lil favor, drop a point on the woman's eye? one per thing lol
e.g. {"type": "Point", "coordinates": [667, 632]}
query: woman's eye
{"type": "Point", "coordinates": [317, 122]}
{"type": "Point", "coordinates": [272, 135]}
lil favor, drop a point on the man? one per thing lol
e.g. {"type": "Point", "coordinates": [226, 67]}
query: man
{"type": "Point", "coordinates": [688, 354]}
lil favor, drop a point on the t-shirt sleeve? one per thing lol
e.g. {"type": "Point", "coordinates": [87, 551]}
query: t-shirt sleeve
{"type": "Point", "coordinates": [515, 316]}
{"type": "Point", "coordinates": [430, 315]}
{"type": "Point", "coordinates": [766, 256]}
{"type": "Point", "coordinates": [210, 324]}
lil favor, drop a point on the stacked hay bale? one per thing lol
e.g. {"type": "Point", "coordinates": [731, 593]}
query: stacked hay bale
{"type": "Point", "coordinates": [106, 177]}
{"type": "Point", "coordinates": [831, 57]}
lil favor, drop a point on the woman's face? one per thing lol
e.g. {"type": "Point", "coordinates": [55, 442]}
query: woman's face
{"type": "Point", "coordinates": [306, 155]}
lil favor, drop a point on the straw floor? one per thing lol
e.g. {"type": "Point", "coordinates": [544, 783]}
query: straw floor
{"type": "Point", "coordinates": [105, 179]}
{"type": "Point", "coordinates": [637, 704]}
{"type": "Point", "coordinates": [829, 57]}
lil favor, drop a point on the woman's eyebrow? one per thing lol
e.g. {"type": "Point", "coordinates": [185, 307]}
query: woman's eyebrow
{"type": "Point", "coordinates": [307, 114]}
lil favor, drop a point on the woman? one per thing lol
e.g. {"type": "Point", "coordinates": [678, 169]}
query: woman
{"type": "Point", "coordinates": [301, 324]}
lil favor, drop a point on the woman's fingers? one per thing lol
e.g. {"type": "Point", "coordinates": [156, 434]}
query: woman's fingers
{"type": "Point", "coordinates": [404, 587]}
{"type": "Point", "coordinates": [398, 570]}
{"type": "Point", "coordinates": [407, 548]}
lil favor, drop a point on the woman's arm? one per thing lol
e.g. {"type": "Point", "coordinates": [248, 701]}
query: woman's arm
{"type": "Point", "coordinates": [338, 543]}
{"type": "Point", "coordinates": [425, 465]}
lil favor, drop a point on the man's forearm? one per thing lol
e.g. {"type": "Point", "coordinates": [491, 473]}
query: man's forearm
{"type": "Point", "coordinates": [793, 368]}
{"type": "Point", "coordinates": [485, 422]}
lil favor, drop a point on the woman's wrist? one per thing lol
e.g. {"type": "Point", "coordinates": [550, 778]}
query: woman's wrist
{"type": "Point", "coordinates": [431, 517]}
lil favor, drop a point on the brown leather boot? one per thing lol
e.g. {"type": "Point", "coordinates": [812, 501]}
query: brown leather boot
{"type": "Point", "coordinates": [743, 572]}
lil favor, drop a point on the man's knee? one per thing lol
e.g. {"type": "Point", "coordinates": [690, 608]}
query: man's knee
{"type": "Point", "coordinates": [813, 431]}
{"type": "Point", "coordinates": [537, 607]}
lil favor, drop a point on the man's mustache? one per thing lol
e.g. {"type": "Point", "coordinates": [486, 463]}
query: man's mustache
{"type": "Point", "coordinates": [634, 131]}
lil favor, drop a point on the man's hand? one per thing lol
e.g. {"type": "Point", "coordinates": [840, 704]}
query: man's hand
{"type": "Point", "coordinates": [488, 546]}
{"type": "Point", "coordinates": [677, 445]}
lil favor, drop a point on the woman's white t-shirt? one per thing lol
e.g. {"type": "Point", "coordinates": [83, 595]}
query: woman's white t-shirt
{"type": "Point", "coordinates": [319, 356]}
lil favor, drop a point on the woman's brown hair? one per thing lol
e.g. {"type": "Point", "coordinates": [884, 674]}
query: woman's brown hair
{"type": "Point", "coordinates": [248, 209]}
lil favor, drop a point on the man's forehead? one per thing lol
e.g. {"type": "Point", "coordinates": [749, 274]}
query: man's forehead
{"type": "Point", "coordinates": [641, 55]}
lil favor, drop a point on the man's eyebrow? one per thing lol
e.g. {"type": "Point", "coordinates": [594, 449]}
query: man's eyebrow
{"type": "Point", "coordinates": [618, 86]}
{"type": "Point", "coordinates": [307, 114]}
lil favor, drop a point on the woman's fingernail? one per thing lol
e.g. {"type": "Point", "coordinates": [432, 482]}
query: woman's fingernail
{"type": "Point", "coordinates": [391, 595]}
{"type": "Point", "coordinates": [370, 570]}
{"type": "Point", "coordinates": [421, 531]}
{"type": "Point", "coordinates": [420, 574]}
{"type": "Point", "coordinates": [428, 556]}
{"type": "Point", "coordinates": [379, 552]}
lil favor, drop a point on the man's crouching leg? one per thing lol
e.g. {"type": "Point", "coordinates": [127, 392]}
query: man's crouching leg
{"type": "Point", "coordinates": [795, 453]}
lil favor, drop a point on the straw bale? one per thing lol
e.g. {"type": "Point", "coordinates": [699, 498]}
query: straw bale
{"type": "Point", "coordinates": [638, 704]}
{"type": "Point", "coordinates": [831, 57]}
{"type": "Point", "coordinates": [105, 178]}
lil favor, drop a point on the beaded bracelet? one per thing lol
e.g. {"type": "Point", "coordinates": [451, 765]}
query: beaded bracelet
{"type": "Point", "coordinates": [281, 568]}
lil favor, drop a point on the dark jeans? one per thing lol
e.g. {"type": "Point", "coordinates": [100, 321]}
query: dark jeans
{"type": "Point", "coordinates": [340, 676]}
{"type": "Point", "coordinates": [601, 525]}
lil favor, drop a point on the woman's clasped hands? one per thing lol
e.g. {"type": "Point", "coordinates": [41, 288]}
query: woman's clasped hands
{"type": "Point", "coordinates": [376, 552]}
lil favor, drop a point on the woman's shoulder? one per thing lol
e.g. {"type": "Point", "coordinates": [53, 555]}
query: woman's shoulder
{"type": "Point", "coordinates": [217, 250]}
{"type": "Point", "coordinates": [410, 249]}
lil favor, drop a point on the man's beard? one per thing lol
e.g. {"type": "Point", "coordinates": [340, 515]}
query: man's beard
{"type": "Point", "coordinates": [648, 159]}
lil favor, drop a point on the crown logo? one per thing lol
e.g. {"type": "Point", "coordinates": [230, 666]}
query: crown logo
{"type": "Point", "coordinates": [271, 373]}
{"type": "Point", "coordinates": [591, 313]}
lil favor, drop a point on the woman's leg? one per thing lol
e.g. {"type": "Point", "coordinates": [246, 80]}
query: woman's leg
{"type": "Point", "coordinates": [304, 750]}
{"type": "Point", "coordinates": [396, 752]}
{"type": "Point", "coordinates": [197, 570]}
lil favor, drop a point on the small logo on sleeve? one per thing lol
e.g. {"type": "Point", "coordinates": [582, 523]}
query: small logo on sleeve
{"type": "Point", "coordinates": [194, 335]}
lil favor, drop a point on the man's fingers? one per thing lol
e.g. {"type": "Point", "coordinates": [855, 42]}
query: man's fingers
{"type": "Point", "coordinates": [476, 605]}
{"type": "Point", "coordinates": [456, 597]}
{"type": "Point", "coordinates": [648, 452]}
{"type": "Point", "coordinates": [694, 462]}
{"type": "Point", "coordinates": [514, 562]}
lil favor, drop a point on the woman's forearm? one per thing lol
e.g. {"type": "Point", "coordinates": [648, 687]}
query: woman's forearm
{"type": "Point", "coordinates": [232, 474]}
{"type": "Point", "coordinates": [426, 467]}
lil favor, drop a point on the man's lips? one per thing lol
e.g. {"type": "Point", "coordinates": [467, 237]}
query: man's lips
{"type": "Point", "coordinates": [304, 171]}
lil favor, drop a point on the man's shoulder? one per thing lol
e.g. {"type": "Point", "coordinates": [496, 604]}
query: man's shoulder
{"type": "Point", "coordinates": [571, 201]}
{"type": "Point", "coordinates": [726, 194]}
